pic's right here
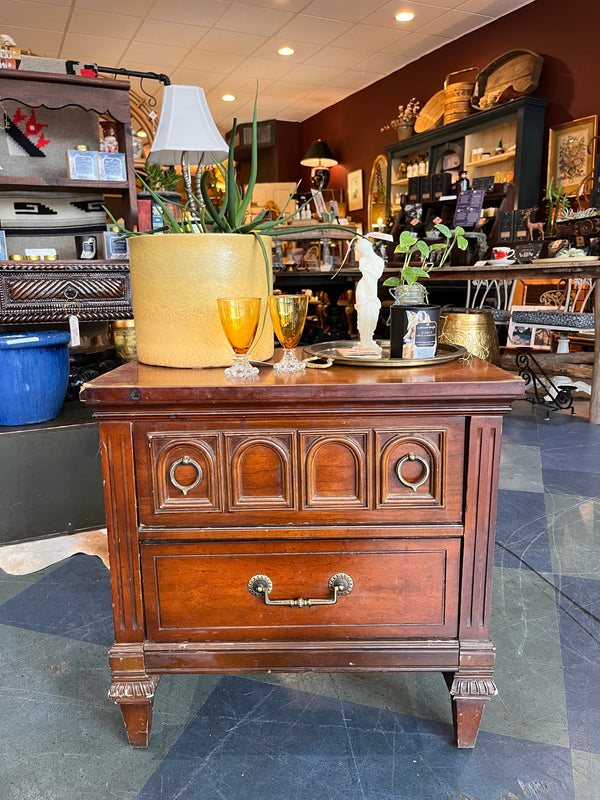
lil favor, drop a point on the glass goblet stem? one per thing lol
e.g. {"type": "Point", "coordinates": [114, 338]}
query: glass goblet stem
{"type": "Point", "coordinates": [289, 362]}
{"type": "Point", "coordinates": [241, 367]}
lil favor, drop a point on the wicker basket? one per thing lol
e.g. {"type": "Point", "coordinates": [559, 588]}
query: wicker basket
{"type": "Point", "coordinates": [432, 113]}
{"type": "Point", "coordinates": [457, 96]}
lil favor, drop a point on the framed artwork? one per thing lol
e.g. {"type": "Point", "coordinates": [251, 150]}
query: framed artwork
{"type": "Point", "coordinates": [355, 190]}
{"type": "Point", "coordinates": [571, 152]}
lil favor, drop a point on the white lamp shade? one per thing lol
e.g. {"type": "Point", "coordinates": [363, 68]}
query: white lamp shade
{"type": "Point", "coordinates": [186, 126]}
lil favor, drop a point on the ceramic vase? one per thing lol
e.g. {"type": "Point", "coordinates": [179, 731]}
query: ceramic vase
{"type": "Point", "coordinates": [34, 372]}
{"type": "Point", "coordinates": [405, 131]}
{"type": "Point", "coordinates": [176, 279]}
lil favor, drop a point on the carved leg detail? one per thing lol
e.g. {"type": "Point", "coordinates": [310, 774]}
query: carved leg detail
{"type": "Point", "coordinates": [469, 695]}
{"type": "Point", "coordinates": [136, 699]}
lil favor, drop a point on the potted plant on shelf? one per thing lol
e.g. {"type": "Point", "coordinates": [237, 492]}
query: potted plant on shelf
{"type": "Point", "coordinates": [207, 252]}
{"type": "Point", "coordinates": [413, 323]}
{"type": "Point", "coordinates": [164, 181]}
{"type": "Point", "coordinates": [404, 124]}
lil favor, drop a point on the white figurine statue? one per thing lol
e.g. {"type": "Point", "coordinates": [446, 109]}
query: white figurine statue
{"type": "Point", "coordinates": [367, 303]}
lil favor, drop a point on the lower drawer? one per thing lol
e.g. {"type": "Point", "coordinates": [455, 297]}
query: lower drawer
{"type": "Point", "coordinates": [398, 588]}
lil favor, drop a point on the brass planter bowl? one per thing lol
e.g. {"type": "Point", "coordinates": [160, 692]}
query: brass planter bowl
{"type": "Point", "coordinates": [471, 328]}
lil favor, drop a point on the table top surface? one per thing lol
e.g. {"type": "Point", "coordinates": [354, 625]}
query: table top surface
{"type": "Point", "coordinates": [136, 384]}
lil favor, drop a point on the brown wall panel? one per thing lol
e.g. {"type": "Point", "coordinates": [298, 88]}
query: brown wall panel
{"type": "Point", "coordinates": [566, 38]}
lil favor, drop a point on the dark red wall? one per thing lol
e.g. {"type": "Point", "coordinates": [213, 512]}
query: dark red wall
{"type": "Point", "coordinates": [566, 34]}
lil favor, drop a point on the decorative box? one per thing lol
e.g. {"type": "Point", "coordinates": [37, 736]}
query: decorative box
{"type": "Point", "coordinates": [442, 185]}
{"type": "Point", "coordinates": [82, 165]}
{"type": "Point", "coordinates": [505, 227]}
{"type": "Point", "coordinates": [413, 190]}
{"type": "Point", "coordinates": [521, 232]}
{"type": "Point", "coordinates": [425, 188]}
{"type": "Point", "coordinates": [111, 167]}
{"type": "Point", "coordinates": [115, 245]}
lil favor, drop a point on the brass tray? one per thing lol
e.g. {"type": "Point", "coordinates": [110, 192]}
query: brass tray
{"type": "Point", "coordinates": [445, 352]}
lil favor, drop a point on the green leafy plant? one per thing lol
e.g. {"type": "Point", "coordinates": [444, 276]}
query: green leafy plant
{"type": "Point", "coordinates": [161, 179]}
{"type": "Point", "coordinates": [411, 272]}
{"type": "Point", "coordinates": [556, 203]}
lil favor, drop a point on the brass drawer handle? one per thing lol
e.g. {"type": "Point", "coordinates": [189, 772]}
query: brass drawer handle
{"type": "Point", "coordinates": [414, 485]}
{"type": "Point", "coordinates": [185, 460]}
{"type": "Point", "coordinates": [340, 584]}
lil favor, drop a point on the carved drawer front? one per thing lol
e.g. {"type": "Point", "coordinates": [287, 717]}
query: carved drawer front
{"type": "Point", "coordinates": [335, 469]}
{"type": "Point", "coordinates": [420, 470]}
{"type": "Point", "coordinates": [316, 590]}
{"type": "Point", "coordinates": [182, 473]}
{"type": "Point", "coordinates": [37, 294]}
{"type": "Point", "coordinates": [259, 470]}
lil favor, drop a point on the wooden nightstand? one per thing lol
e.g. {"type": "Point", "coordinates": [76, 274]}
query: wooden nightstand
{"type": "Point", "coordinates": [340, 520]}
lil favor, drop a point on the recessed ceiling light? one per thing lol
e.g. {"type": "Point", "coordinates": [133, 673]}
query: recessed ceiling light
{"type": "Point", "coordinates": [228, 98]}
{"type": "Point", "coordinates": [405, 16]}
{"type": "Point", "coordinates": [286, 51]}
{"type": "Point", "coordinates": [142, 134]}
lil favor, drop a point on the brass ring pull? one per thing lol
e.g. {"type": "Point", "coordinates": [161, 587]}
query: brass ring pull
{"type": "Point", "coordinates": [185, 460]}
{"type": "Point", "coordinates": [414, 485]}
{"type": "Point", "coordinates": [340, 584]}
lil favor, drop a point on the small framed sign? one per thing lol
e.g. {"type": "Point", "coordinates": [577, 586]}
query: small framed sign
{"type": "Point", "coordinates": [526, 252]}
{"type": "Point", "coordinates": [485, 182]}
{"type": "Point", "coordinates": [468, 208]}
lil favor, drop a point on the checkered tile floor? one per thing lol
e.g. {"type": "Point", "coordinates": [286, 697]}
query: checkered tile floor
{"type": "Point", "coordinates": [335, 737]}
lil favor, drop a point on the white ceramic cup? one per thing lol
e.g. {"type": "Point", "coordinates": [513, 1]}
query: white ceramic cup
{"type": "Point", "coordinates": [502, 253]}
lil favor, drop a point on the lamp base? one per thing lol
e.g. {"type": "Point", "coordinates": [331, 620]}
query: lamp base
{"type": "Point", "coordinates": [319, 177]}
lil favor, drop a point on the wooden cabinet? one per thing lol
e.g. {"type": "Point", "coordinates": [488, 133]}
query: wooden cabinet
{"type": "Point", "coordinates": [91, 289]}
{"type": "Point", "coordinates": [342, 521]}
{"type": "Point", "coordinates": [519, 124]}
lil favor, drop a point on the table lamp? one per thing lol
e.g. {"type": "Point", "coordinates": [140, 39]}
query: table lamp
{"type": "Point", "coordinates": [187, 133]}
{"type": "Point", "coordinates": [320, 158]}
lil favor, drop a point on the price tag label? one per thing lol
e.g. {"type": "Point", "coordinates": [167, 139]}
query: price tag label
{"type": "Point", "coordinates": [74, 330]}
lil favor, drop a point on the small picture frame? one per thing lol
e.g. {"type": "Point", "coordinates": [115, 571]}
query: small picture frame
{"type": "Point", "coordinates": [355, 190]}
{"type": "Point", "coordinates": [571, 150]}
{"type": "Point", "coordinates": [536, 337]}
{"type": "Point", "coordinates": [334, 209]}
{"type": "Point", "coordinates": [82, 165]}
{"type": "Point", "coordinates": [319, 202]}
{"type": "Point", "coordinates": [111, 167]}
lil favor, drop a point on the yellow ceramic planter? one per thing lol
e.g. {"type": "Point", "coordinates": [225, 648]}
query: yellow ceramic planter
{"type": "Point", "coordinates": [175, 282]}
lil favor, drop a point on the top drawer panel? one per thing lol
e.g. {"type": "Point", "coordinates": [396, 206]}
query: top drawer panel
{"type": "Point", "coordinates": [195, 476]}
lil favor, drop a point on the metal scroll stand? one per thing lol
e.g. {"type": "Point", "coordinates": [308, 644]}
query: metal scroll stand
{"type": "Point", "coordinates": [545, 392]}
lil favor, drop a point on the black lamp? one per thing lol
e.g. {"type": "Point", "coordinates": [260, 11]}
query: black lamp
{"type": "Point", "coordinates": [320, 158]}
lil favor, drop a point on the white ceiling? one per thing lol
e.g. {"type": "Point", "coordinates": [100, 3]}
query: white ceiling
{"type": "Point", "coordinates": [340, 46]}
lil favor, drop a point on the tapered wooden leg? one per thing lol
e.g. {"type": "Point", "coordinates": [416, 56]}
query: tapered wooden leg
{"type": "Point", "coordinates": [136, 699]}
{"type": "Point", "coordinates": [469, 695]}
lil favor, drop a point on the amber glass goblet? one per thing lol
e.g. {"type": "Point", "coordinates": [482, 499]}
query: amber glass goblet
{"type": "Point", "coordinates": [239, 318]}
{"type": "Point", "coordinates": [288, 312]}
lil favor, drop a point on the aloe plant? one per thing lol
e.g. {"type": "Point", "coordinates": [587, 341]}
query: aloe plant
{"type": "Point", "coordinates": [200, 215]}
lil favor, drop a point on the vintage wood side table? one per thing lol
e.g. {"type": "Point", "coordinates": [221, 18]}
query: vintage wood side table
{"type": "Point", "coordinates": [339, 520]}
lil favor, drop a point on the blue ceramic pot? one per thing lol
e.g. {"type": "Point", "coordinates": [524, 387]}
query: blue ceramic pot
{"type": "Point", "coordinates": [34, 371]}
